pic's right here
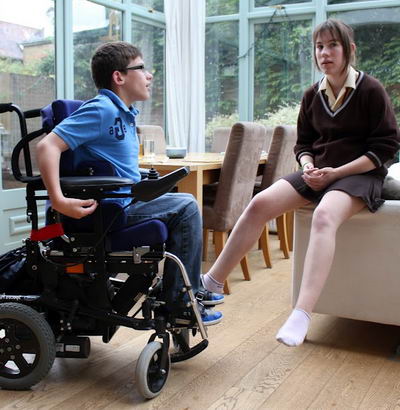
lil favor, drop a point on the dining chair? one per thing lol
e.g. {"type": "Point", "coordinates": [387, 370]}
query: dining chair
{"type": "Point", "coordinates": [280, 161]}
{"type": "Point", "coordinates": [153, 132]}
{"type": "Point", "coordinates": [220, 139]}
{"type": "Point", "coordinates": [235, 187]}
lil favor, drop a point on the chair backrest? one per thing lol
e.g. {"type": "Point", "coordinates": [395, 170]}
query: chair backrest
{"type": "Point", "coordinates": [238, 174]}
{"type": "Point", "coordinates": [269, 131]}
{"type": "Point", "coordinates": [281, 160]}
{"type": "Point", "coordinates": [220, 139]}
{"type": "Point", "coordinates": [58, 110]}
{"type": "Point", "coordinates": [155, 133]}
{"type": "Point", "coordinates": [52, 115]}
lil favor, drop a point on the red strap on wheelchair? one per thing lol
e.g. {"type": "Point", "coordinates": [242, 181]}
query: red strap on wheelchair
{"type": "Point", "coordinates": [48, 232]}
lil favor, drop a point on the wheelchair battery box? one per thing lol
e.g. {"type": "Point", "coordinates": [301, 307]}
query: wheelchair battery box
{"type": "Point", "coordinates": [73, 347]}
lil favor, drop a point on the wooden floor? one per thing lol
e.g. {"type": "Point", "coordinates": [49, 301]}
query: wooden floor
{"type": "Point", "coordinates": [344, 364]}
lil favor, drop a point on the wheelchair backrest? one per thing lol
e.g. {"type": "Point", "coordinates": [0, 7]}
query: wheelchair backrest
{"type": "Point", "coordinates": [57, 111]}
{"type": "Point", "coordinates": [52, 115]}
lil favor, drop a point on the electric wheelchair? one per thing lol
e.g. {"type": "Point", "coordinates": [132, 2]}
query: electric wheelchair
{"type": "Point", "coordinates": [71, 286]}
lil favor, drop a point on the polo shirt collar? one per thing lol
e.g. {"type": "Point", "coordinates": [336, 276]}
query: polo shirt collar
{"type": "Point", "coordinates": [118, 102]}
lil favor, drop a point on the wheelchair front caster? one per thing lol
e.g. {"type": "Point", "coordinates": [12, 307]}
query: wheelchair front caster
{"type": "Point", "coordinates": [150, 377]}
{"type": "Point", "coordinates": [27, 346]}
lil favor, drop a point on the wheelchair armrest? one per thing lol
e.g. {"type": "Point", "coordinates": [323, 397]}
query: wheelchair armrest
{"type": "Point", "coordinates": [148, 189]}
{"type": "Point", "coordinates": [93, 184]}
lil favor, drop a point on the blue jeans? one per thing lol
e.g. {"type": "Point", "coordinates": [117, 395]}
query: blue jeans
{"type": "Point", "coordinates": [180, 213]}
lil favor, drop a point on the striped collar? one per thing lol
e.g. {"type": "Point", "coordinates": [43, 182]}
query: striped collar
{"type": "Point", "coordinates": [347, 96]}
{"type": "Point", "coordinates": [350, 83]}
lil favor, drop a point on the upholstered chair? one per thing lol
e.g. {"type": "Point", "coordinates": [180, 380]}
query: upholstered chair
{"type": "Point", "coordinates": [281, 161]}
{"type": "Point", "coordinates": [235, 187]}
{"type": "Point", "coordinates": [220, 139]}
{"type": "Point", "coordinates": [153, 132]}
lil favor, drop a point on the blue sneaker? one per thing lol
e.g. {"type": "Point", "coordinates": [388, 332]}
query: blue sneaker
{"type": "Point", "coordinates": [210, 317]}
{"type": "Point", "coordinates": [211, 298]}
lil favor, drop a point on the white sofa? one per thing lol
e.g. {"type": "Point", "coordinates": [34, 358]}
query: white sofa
{"type": "Point", "coordinates": [364, 282]}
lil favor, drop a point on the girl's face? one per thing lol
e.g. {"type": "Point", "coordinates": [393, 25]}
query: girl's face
{"type": "Point", "coordinates": [329, 55]}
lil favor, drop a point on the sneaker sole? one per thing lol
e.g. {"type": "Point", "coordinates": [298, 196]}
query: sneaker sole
{"type": "Point", "coordinates": [212, 302]}
{"type": "Point", "coordinates": [213, 322]}
{"type": "Point", "coordinates": [185, 322]}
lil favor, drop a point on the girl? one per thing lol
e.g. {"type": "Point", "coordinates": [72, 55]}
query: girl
{"type": "Point", "coordinates": [346, 132]}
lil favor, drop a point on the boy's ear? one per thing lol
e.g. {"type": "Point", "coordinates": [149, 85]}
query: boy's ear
{"type": "Point", "coordinates": [117, 78]}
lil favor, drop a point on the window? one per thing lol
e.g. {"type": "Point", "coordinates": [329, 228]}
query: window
{"type": "Point", "coordinates": [151, 4]}
{"type": "Point", "coordinates": [221, 73]}
{"type": "Point", "coordinates": [264, 3]}
{"type": "Point", "coordinates": [92, 25]}
{"type": "Point", "coordinates": [343, 1]}
{"type": "Point", "coordinates": [151, 41]}
{"type": "Point", "coordinates": [377, 36]}
{"type": "Point", "coordinates": [221, 7]}
{"type": "Point", "coordinates": [282, 64]}
{"type": "Point", "coordinates": [26, 70]}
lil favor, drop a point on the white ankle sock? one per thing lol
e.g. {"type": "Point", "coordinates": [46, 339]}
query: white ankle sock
{"type": "Point", "coordinates": [211, 284]}
{"type": "Point", "coordinates": [294, 331]}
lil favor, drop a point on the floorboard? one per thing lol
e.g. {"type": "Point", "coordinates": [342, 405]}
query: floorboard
{"type": "Point", "coordinates": [343, 364]}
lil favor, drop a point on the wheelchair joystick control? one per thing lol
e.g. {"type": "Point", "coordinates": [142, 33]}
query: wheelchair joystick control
{"type": "Point", "coordinates": [153, 174]}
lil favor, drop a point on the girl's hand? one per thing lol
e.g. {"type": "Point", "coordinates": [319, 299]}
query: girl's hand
{"type": "Point", "coordinates": [308, 166]}
{"type": "Point", "coordinates": [318, 179]}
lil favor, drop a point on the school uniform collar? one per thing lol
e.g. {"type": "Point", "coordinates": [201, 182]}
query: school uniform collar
{"type": "Point", "coordinates": [352, 81]}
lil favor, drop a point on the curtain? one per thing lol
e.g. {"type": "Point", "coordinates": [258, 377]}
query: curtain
{"type": "Point", "coordinates": [185, 86]}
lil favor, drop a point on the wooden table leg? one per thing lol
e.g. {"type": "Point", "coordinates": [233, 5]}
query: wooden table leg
{"type": "Point", "coordinates": [193, 184]}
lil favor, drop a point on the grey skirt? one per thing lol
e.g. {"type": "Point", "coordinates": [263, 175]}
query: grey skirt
{"type": "Point", "coordinates": [366, 187]}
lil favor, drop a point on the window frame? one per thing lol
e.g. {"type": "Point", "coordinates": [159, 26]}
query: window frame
{"type": "Point", "coordinates": [249, 15]}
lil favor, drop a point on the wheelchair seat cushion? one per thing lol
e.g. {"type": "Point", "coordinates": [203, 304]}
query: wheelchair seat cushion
{"type": "Point", "coordinates": [148, 233]}
{"type": "Point", "coordinates": [120, 237]}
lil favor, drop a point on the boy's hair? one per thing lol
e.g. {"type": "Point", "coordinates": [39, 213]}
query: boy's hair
{"type": "Point", "coordinates": [341, 32]}
{"type": "Point", "coordinates": [110, 57]}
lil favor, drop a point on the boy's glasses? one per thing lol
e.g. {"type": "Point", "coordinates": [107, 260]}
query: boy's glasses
{"type": "Point", "coordinates": [135, 67]}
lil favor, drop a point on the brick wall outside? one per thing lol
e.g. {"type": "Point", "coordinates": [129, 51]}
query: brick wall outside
{"type": "Point", "coordinates": [28, 92]}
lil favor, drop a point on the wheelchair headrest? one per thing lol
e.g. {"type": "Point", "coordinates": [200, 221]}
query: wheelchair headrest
{"type": "Point", "coordinates": [58, 110]}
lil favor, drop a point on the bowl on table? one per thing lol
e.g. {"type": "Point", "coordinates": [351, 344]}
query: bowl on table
{"type": "Point", "coordinates": [175, 152]}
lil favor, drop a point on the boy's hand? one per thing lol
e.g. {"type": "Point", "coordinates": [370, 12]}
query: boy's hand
{"type": "Point", "coordinates": [75, 208]}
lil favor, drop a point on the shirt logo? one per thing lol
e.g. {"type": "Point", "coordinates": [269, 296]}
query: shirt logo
{"type": "Point", "coordinates": [118, 129]}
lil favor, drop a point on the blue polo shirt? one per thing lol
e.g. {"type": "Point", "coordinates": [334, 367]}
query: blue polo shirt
{"type": "Point", "coordinates": [104, 128]}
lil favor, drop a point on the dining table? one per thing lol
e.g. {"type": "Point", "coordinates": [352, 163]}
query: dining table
{"type": "Point", "coordinates": [204, 169]}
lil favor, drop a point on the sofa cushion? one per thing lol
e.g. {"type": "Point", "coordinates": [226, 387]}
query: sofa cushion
{"type": "Point", "coordinates": [391, 188]}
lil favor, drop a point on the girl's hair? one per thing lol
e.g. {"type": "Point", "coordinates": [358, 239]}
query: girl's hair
{"type": "Point", "coordinates": [110, 57]}
{"type": "Point", "coordinates": [341, 32]}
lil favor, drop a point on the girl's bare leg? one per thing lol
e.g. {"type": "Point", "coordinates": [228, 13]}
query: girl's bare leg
{"type": "Point", "coordinates": [333, 210]}
{"type": "Point", "coordinates": [268, 204]}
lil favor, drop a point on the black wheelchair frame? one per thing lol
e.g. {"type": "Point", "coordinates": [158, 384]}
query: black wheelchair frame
{"type": "Point", "coordinates": [70, 289]}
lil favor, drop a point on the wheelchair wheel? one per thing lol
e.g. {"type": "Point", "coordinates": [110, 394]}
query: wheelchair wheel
{"type": "Point", "coordinates": [150, 378]}
{"type": "Point", "coordinates": [27, 346]}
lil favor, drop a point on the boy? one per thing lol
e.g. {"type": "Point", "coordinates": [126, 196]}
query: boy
{"type": "Point", "coordinates": [104, 128]}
